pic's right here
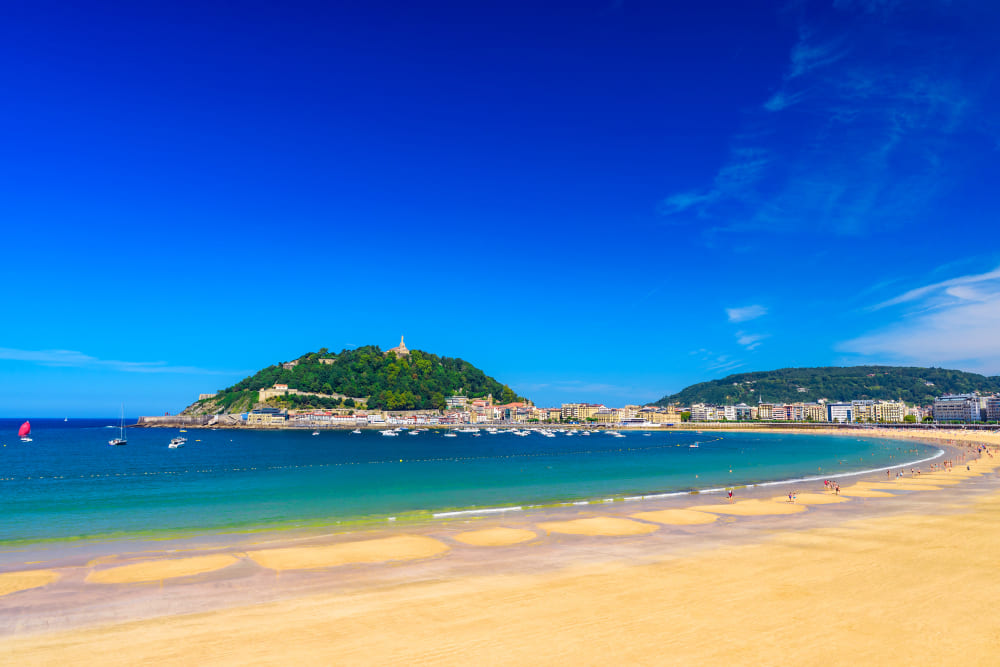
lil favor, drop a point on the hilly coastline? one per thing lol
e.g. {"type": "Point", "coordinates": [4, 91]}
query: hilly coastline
{"type": "Point", "coordinates": [397, 379]}
{"type": "Point", "coordinates": [913, 385]}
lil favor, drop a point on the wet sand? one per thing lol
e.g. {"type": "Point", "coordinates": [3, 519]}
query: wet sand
{"type": "Point", "coordinates": [894, 576]}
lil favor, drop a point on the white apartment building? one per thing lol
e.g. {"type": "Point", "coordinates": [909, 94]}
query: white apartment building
{"type": "Point", "coordinates": [841, 413]}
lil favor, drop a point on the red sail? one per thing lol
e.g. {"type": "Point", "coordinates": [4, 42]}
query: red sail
{"type": "Point", "coordinates": [24, 430]}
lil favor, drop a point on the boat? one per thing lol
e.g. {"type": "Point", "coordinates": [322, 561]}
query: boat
{"type": "Point", "coordinates": [177, 442]}
{"type": "Point", "coordinates": [356, 431]}
{"type": "Point", "coordinates": [451, 435]}
{"type": "Point", "coordinates": [24, 433]}
{"type": "Point", "coordinates": [315, 432]}
{"type": "Point", "coordinates": [389, 433]}
{"type": "Point", "coordinates": [120, 440]}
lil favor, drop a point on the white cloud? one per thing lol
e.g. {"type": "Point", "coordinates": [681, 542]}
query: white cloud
{"type": "Point", "coordinates": [74, 359]}
{"type": "Point", "coordinates": [964, 335]}
{"type": "Point", "coordinates": [746, 313]}
{"type": "Point", "coordinates": [950, 324]}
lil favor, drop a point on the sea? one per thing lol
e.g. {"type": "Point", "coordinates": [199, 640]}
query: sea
{"type": "Point", "coordinates": [69, 484]}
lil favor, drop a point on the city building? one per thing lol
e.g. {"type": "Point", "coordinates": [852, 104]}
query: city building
{"type": "Point", "coordinates": [957, 408]}
{"type": "Point", "coordinates": [456, 401]}
{"type": "Point", "coordinates": [266, 417]}
{"type": "Point", "coordinates": [993, 408]}
{"type": "Point", "coordinates": [841, 413]}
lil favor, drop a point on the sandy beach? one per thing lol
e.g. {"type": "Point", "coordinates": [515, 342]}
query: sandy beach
{"type": "Point", "coordinates": [889, 571]}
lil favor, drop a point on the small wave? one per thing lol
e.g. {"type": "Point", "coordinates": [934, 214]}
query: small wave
{"type": "Point", "coordinates": [485, 510]}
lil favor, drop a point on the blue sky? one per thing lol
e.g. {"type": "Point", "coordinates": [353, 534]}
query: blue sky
{"type": "Point", "coordinates": [600, 201]}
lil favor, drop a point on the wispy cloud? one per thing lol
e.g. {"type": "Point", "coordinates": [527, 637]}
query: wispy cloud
{"type": "Point", "coordinates": [74, 359]}
{"type": "Point", "coordinates": [956, 287]}
{"type": "Point", "coordinates": [857, 134]}
{"type": "Point", "coordinates": [808, 55]}
{"type": "Point", "coordinates": [716, 362]}
{"type": "Point", "coordinates": [750, 341]}
{"type": "Point", "coordinates": [746, 313]}
{"type": "Point", "coordinates": [948, 323]}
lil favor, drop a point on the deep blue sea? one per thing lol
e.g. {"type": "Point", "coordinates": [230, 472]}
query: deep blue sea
{"type": "Point", "coordinates": [69, 483]}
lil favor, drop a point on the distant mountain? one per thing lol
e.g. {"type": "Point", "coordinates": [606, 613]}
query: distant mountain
{"type": "Point", "coordinates": [786, 385]}
{"type": "Point", "coordinates": [392, 380]}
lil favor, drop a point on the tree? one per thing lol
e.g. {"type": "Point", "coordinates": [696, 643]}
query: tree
{"type": "Point", "coordinates": [686, 416]}
{"type": "Point", "coordinates": [909, 419]}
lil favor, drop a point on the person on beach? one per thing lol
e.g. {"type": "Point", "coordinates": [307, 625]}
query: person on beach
{"type": "Point", "coordinates": [730, 495]}
{"type": "Point", "coordinates": [836, 488]}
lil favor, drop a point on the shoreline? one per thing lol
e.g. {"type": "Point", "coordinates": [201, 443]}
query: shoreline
{"type": "Point", "coordinates": [334, 585]}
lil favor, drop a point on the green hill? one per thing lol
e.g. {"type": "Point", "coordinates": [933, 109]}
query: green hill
{"type": "Point", "coordinates": [912, 384]}
{"type": "Point", "coordinates": [362, 376]}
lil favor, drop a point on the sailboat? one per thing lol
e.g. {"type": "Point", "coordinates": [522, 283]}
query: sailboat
{"type": "Point", "coordinates": [120, 440]}
{"type": "Point", "coordinates": [24, 433]}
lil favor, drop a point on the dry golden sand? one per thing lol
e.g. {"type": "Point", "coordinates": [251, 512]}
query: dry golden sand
{"type": "Point", "coordinates": [599, 527]}
{"type": "Point", "coordinates": [12, 582]}
{"type": "Point", "coordinates": [157, 570]}
{"type": "Point", "coordinates": [495, 537]}
{"type": "Point", "coordinates": [751, 508]}
{"type": "Point", "coordinates": [812, 499]}
{"type": "Point", "coordinates": [400, 547]}
{"type": "Point", "coordinates": [677, 517]}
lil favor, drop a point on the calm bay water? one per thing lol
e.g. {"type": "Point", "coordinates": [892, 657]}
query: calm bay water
{"type": "Point", "coordinates": [69, 483]}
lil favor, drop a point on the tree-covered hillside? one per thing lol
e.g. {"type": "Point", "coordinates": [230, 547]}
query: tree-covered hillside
{"type": "Point", "coordinates": [912, 384]}
{"type": "Point", "coordinates": [418, 381]}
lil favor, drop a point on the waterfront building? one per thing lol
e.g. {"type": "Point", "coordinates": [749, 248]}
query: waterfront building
{"type": "Point", "coordinates": [729, 413]}
{"type": "Point", "coordinates": [815, 412]}
{"type": "Point", "coordinates": [765, 410]}
{"type": "Point", "coordinates": [840, 413]}
{"type": "Point", "coordinates": [993, 408]}
{"type": "Point", "coordinates": [266, 417]}
{"type": "Point", "coordinates": [743, 412]}
{"type": "Point", "coordinates": [957, 408]}
{"type": "Point", "coordinates": [456, 401]}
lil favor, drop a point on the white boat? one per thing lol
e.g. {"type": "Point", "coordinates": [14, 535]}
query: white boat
{"type": "Point", "coordinates": [414, 432]}
{"type": "Point", "coordinates": [450, 435]}
{"type": "Point", "coordinates": [356, 431]}
{"type": "Point", "coordinates": [694, 446]}
{"type": "Point", "coordinates": [120, 440]}
{"type": "Point", "coordinates": [177, 442]}
{"type": "Point", "coordinates": [315, 432]}
{"type": "Point", "coordinates": [389, 433]}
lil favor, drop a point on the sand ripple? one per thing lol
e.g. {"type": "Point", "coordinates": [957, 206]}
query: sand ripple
{"type": "Point", "coordinates": [157, 570]}
{"type": "Point", "coordinates": [495, 537]}
{"type": "Point", "coordinates": [599, 526]}
{"type": "Point", "coordinates": [402, 547]}
{"type": "Point", "coordinates": [12, 582]}
{"type": "Point", "coordinates": [676, 517]}
{"type": "Point", "coordinates": [751, 508]}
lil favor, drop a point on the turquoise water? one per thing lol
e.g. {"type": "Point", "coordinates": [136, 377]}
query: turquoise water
{"type": "Point", "coordinates": [68, 483]}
